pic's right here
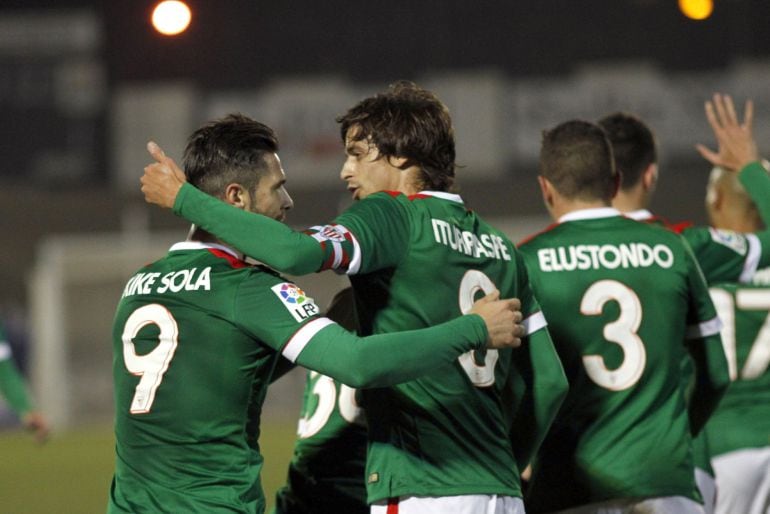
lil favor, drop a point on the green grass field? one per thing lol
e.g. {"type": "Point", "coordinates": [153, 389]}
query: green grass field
{"type": "Point", "coordinates": [71, 473]}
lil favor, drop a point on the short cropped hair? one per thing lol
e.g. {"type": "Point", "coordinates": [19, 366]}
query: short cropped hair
{"type": "Point", "coordinates": [633, 145]}
{"type": "Point", "coordinates": [228, 150]}
{"type": "Point", "coordinates": [576, 157]}
{"type": "Point", "coordinates": [410, 122]}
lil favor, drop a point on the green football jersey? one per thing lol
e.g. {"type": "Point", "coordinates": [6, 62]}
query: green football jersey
{"type": "Point", "coordinates": [417, 261]}
{"type": "Point", "coordinates": [414, 262]}
{"type": "Point", "coordinates": [611, 287]}
{"type": "Point", "coordinates": [326, 473]}
{"type": "Point", "coordinates": [196, 337]}
{"type": "Point", "coordinates": [742, 419]}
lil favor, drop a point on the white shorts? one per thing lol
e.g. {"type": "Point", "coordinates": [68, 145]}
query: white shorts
{"type": "Point", "coordinates": [708, 489]}
{"type": "Point", "coordinates": [743, 481]}
{"type": "Point", "coordinates": [662, 505]}
{"type": "Point", "coordinates": [463, 504]}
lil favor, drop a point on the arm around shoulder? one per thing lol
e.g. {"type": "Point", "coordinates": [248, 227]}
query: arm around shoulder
{"type": "Point", "coordinates": [262, 238]}
{"type": "Point", "coordinates": [388, 359]}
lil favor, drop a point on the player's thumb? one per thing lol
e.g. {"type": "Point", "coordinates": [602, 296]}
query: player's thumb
{"type": "Point", "coordinates": [156, 151]}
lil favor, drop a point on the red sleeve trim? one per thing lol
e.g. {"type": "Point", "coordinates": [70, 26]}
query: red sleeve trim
{"type": "Point", "coordinates": [533, 236]}
{"type": "Point", "coordinates": [677, 228]}
{"type": "Point", "coordinates": [235, 263]}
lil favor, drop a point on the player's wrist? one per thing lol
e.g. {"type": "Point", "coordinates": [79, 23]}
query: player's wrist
{"type": "Point", "coordinates": [180, 197]}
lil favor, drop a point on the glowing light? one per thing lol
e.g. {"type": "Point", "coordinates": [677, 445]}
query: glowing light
{"type": "Point", "coordinates": [696, 9]}
{"type": "Point", "coordinates": [171, 17]}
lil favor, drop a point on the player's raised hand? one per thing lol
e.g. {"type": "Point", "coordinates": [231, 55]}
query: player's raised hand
{"type": "Point", "coordinates": [736, 146]}
{"type": "Point", "coordinates": [162, 179]}
{"type": "Point", "coordinates": [502, 318]}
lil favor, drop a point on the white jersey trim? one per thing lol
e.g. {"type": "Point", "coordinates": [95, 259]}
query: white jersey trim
{"type": "Point", "coordinates": [638, 215]}
{"type": "Point", "coordinates": [356, 258]}
{"type": "Point", "coordinates": [752, 258]}
{"type": "Point", "coordinates": [704, 329]}
{"type": "Point", "coordinates": [5, 351]}
{"type": "Point", "coordinates": [335, 235]}
{"type": "Point", "coordinates": [590, 214]}
{"type": "Point", "coordinates": [534, 322]}
{"type": "Point", "coordinates": [302, 337]}
{"type": "Point", "coordinates": [197, 245]}
{"type": "Point", "coordinates": [444, 196]}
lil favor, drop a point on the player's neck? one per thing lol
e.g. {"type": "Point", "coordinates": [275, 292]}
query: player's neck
{"type": "Point", "coordinates": [629, 201]}
{"type": "Point", "coordinates": [201, 236]}
{"type": "Point", "coordinates": [738, 221]}
{"type": "Point", "coordinates": [411, 182]}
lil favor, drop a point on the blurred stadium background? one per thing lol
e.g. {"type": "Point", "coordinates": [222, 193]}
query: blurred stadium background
{"type": "Point", "coordinates": [84, 84]}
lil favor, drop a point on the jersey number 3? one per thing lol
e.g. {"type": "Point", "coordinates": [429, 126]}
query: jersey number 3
{"type": "Point", "coordinates": [622, 331]}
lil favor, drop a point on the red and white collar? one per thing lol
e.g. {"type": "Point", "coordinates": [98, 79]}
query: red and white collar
{"type": "Point", "coordinates": [198, 245]}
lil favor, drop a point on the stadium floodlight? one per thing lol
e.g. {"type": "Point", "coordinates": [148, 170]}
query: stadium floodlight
{"type": "Point", "coordinates": [171, 17]}
{"type": "Point", "coordinates": [696, 9]}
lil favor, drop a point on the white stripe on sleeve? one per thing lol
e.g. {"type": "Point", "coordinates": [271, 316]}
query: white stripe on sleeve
{"type": "Point", "coordinates": [752, 259]}
{"type": "Point", "coordinates": [337, 247]}
{"type": "Point", "coordinates": [302, 337]}
{"type": "Point", "coordinates": [5, 351]}
{"type": "Point", "coordinates": [534, 322]}
{"type": "Point", "coordinates": [355, 260]}
{"type": "Point", "coordinates": [704, 329]}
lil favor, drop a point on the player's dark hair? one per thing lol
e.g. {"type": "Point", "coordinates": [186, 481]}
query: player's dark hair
{"type": "Point", "coordinates": [410, 122]}
{"type": "Point", "coordinates": [228, 150]}
{"type": "Point", "coordinates": [633, 146]}
{"type": "Point", "coordinates": [576, 157]}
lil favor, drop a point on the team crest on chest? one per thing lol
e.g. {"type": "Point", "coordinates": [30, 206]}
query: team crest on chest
{"type": "Point", "coordinates": [299, 304]}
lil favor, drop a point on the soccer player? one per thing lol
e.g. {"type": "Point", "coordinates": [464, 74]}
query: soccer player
{"type": "Point", "coordinates": [326, 473]}
{"type": "Point", "coordinates": [197, 335]}
{"type": "Point", "coordinates": [416, 255]}
{"type": "Point", "coordinates": [625, 302]}
{"type": "Point", "coordinates": [723, 255]}
{"type": "Point", "coordinates": [15, 392]}
{"type": "Point", "coordinates": [739, 431]}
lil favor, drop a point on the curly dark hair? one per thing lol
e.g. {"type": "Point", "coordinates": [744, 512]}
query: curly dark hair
{"type": "Point", "coordinates": [410, 122]}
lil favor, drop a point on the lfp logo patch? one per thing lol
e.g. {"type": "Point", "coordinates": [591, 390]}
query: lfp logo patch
{"type": "Point", "coordinates": [300, 305]}
{"type": "Point", "coordinates": [733, 240]}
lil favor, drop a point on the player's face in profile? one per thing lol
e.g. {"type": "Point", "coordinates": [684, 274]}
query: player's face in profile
{"type": "Point", "coordinates": [271, 197]}
{"type": "Point", "coordinates": [365, 171]}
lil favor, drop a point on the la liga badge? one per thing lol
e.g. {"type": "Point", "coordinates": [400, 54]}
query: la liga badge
{"type": "Point", "coordinates": [299, 304]}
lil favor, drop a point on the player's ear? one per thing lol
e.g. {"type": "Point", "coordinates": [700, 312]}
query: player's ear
{"type": "Point", "coordinates": [650, 176]}
{"type": "Point", "coordinates": [399, 162]}
{"type": "Point", "coordinates": [237, 196]}
{"type": "Point", "coordinates": [546, 188]}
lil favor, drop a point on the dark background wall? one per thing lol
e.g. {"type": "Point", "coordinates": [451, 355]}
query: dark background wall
{"type": "Point", "coordinates": [237, 44]}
